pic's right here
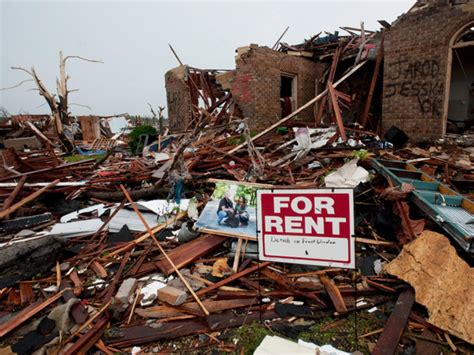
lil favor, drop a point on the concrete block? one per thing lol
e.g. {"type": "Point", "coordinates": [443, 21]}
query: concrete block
{"type": "Point", "coordinates": [23, 143]}
{"type": "Point", "coordinates": [125, 290]}
{"type": "Point", "coordinates": [172, 295]}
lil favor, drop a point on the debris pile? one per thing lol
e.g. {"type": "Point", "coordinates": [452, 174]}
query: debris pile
{"type": "Point", "coordinates": [105, 254]}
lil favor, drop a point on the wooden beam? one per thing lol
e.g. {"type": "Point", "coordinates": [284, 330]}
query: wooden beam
{"type": "Point", "coordinates": [67, 165]}
{"type": "Point", "coordinates": [332, 74]}
{"type": "Point", "coordinates": [233, 277]}
{"type": "Point", "coordinates": [378, 61]}
{"type": "Point", "coordinates": [288, 285]}
{"type": "Point", "coordinates": [27, 199]}
{"type": "Point", "coordinates": [26, 314]}
{"type": "Point", "coordinates": [279, 38]}
{"type": "Point", "coordinates": [334, 294]}
{"type": "Point", "coordinates": [88, 340]}
{"type": "Point", "coordinates": [337, 112]}
{"type": "Point", "coordinates": [302, 108]}
{"type": "Point", "coordinates": [187, 253]}
{"type": "Point", "coordinates": [388, 341]}
{"type": "Point", "coordinates": [9, 200]}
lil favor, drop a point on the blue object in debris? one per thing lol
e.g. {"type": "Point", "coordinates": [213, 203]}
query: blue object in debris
{"type": "Point", "coordinates": [87, 152]}
{"type": "Point", "coordinates": [451, 211]}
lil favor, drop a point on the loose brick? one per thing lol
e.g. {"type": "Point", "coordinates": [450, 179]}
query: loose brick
{"type": "Point", "coordinates": [172, 295]}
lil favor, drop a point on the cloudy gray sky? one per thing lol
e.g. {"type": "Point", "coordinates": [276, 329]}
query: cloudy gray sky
{"type": "Point", "coordinates": [131, 38]}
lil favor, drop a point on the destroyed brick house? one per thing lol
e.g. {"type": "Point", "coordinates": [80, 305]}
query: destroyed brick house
{"type": "Point", "coordinates": [418, 77]}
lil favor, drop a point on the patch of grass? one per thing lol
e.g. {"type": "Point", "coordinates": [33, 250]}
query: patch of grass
{"type": "Point", "coordinates": [78, 157]}
{"type": "Point", "coordinates": [250, 336]}
{"type": "Point", "coordinates": [340, 333]}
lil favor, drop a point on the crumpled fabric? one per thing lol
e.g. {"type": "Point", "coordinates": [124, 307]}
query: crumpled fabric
{"type": "Point", "coordinates": [396, 193]}
{"type": "Point", "coordinates": [61, 315]}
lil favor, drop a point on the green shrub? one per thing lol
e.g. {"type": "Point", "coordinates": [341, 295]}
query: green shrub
{"type": "Point", "coordinates": [134, 137]}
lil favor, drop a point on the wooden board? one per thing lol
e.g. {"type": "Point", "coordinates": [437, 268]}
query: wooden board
{"type": "Point", "coordinates": [388, 341]}
{"type": "Point", "coordinates": [186, 253]}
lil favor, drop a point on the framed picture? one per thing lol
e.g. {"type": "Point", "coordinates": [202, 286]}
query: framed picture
{"type": "Point", "coordinates": [231, 211]}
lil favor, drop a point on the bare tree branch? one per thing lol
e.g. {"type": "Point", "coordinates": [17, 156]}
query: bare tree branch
{"type": "Point", "coordinates": [23, 69]}
{"type": "Point", "coordinates": [82, 58]}
{"type": "Point", "coordinates": [17, 85]}
{"type": "Point", "coordinates": [152, 111]}
{"type": "Point", "coordinates": [72, 103]}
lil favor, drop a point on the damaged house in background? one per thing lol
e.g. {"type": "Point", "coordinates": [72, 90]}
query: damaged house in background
{"type": "Point", "coordinates": [425, 90]}
{"type": "Point", "coordinates": [269, 84]}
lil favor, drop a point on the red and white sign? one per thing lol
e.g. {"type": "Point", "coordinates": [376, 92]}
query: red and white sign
{"type": "Point", "coordinates": [311, 227]}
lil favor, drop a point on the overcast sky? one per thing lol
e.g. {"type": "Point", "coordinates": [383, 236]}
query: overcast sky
{"type": "Point", "coordinates": [131, 38]}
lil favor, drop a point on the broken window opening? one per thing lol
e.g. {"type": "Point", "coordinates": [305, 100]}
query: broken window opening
{"type": "Point", "coordinates": [288, 89]}
{"type": "Point", "coordinates": [461, 93]}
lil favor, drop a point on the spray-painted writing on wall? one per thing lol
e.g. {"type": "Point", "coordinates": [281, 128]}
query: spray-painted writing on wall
{"type": "Point", "coordinates": [419, 79]}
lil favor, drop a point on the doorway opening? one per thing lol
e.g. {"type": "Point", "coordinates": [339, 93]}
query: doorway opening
{"type": "Point", "coordinates": [460, 113]}
{"type": "Point", "coordinates": [288, 93]}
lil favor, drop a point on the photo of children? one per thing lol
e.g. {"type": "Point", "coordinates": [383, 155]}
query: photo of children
{"type": "Point", "coordinates": [231, 209]}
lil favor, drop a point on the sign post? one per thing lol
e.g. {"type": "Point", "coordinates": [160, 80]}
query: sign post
{"type": "Point", "coordinates": [311, 227]}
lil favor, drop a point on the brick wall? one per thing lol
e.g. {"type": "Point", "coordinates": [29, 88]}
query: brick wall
{"type": "Point", "coordinates": [416, 66]}
{"type": "Point", "coordinates": [178, 97]}
{"type": "Point", "coordinates": [256, 84]}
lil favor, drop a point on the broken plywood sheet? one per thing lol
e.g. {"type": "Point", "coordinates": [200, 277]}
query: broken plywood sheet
{"type": "Point", "coordinates": [443, 282]}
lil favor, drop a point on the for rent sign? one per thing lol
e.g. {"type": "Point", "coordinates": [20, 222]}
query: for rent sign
{"type": "Point", "coordinates": [312, 227]}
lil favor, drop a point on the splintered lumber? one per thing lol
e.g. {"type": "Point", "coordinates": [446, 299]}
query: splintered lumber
{"type": "Point", "coordinates": [157, 243]}
{"type": "Point", "coordinates": [228, 320]}
{"type": "Point", "coordinates": [9, 200]}
{"type": "Point", "coordinates": [238, 251]}
{"type": "Point", "coordinates": [233, 277]}
{"type": "Point", "coordinates": [193, 308]}
{"type": "Point", "coordinates": [332, 74]}
{"type": "Point", "coordinates": [88, 340]}
{"type": "Point", "coordinates": [187, 253]}
{"type": "Point", "coordinates": [229, 234]}
{"type": "Point", "coordinates": [137, 335]}
{"type": "Point", "coordinates": [302, 108]}
{"type": "Point", "coordinates": [337, 112]}
{"type": "Point", "coordinates": [373, 81]}
{"type": "Point", "coordinates": [288, 285]}
{"type": "Point", "coordinates": [388, 341]}
{"type": "Point", "coordinates": [109, 291]}
{"type": "Point", "coordinates": [27, 199]}
{"type": "Point", "coordinates": [46, 170]}
{"type": "Point", "coordinates": [374, 242]}
{"type": "Point", "coordinates": [426, 344]}
{"type": "Point", "coordinates": [26, 292]}
{"type": "Point", "coordinates": [27, 313]}
{"type": "Point", "coordinates": [334, 294]}
{"type": "Point", "coordinates": [99, 269]}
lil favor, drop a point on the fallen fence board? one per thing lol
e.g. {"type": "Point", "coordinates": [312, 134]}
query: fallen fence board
{"type": "Point", "coordinates": [26, 314]}
{"type": "Point", "coordinates": [186, 253]}
{"type": "Point", "coordinates": [388, 341]}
